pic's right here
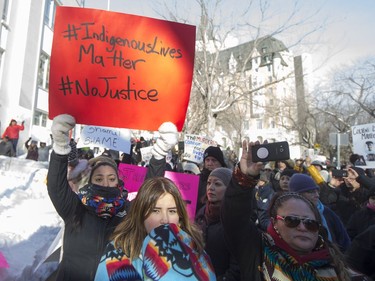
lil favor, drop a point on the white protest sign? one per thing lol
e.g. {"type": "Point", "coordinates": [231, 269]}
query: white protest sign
{"type": "Point", "coordinates": [364, 142]}
{"type": "Point", "coordinates": [105, 137]}
{"type": "Point", "coordinates": [146, 154]}
{"type": "Point", "coordinates": [194, 147]}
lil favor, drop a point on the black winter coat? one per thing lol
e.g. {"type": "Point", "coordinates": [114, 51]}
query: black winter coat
{"type": "Point", "coordinates": [225, 266]}
{"type": "Point", "coordinates": [360, 221]}
{"type": "Point", "coordinates": [203, 177]}
{"type": "Point", "coordinates": [83, 244]}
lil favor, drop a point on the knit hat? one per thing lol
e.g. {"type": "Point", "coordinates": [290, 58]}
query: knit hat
{"type": "Point", "coordinates": [288, 172]}
{"type": "Point", "coordinates": [301, 183]}
{"type": "Point", "coordinates": [268, 167]}
{"type": "Point", "coordinates": [224, 174]}
{"type": "Point", "coordinates": [216, 153]}
{"type": "Point", "coordinates": [101, 160]}
{"type": "Point", "coordinates": [191, 167]}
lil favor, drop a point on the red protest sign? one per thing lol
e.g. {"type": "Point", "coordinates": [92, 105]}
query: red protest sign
{"type": "Point", "coordinates": [118, 70]}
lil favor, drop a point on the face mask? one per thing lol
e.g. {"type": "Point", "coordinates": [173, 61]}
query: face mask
{"type": "Point", "coordinates": [105, 202]}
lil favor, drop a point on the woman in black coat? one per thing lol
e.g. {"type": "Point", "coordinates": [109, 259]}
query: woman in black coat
{"type": "Point", "coordinates": [100, 204]}
{"type": "Point", "coordinates": [208, 218]}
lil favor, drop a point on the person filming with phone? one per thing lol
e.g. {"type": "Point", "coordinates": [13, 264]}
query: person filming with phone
{"type": "Point", "coordinates": [350, 187]}
{"type": "Point", "coordinates": [295, 245]}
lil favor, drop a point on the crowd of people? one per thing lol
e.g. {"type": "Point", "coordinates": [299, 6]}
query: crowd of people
{"type": "Point", "coordinates": [9, 143]}
{"type": "Point", "coordinates": [281, 220]}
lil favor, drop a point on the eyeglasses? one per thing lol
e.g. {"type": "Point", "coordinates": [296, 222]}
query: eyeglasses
{"type": "Point", "coordinates": [293, 222]}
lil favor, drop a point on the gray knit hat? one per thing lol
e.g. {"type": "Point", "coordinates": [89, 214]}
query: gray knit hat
{"type": "Point", "coordinates": [224, 174]}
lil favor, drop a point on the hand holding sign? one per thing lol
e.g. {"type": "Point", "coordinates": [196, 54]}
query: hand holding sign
{"type": "Point", "coordinates": [167, 140]}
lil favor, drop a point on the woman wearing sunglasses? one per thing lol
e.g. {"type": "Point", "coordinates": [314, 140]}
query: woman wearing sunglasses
{"type": "Point", "coordinates": [294, 247]}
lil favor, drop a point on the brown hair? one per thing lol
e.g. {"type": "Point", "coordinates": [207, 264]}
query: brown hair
{"type": "Point", "coordinates": [281, 197]}
{"type": "Point", "coordinates": [130, 233]}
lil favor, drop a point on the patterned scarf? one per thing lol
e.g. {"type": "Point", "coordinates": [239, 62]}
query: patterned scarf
{"type": "Point", "coordinates": [105, 202]}
{"type": "Point", "coordinates": [168, 254]}
{"type": "Point", "coordinates": [281, 262]}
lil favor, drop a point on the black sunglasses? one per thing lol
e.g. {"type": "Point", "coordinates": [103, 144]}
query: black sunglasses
{"type": "Point", "coordinates": [293, 221]}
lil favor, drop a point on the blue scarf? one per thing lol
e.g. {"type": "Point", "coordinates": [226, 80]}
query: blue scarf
{"type": "Point", "coordinates": [320, 207]}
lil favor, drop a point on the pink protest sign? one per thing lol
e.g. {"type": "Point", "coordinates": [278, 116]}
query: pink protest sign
{"type": "Point", "coordinates": [3, 261]}
{"type": "Point", "coordinates": [188, 186]}
{"type": "Point", "coordinates": [133, 177]}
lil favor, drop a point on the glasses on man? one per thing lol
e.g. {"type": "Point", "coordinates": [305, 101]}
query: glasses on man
{"type": "Point", "coordinates": [293, 222]}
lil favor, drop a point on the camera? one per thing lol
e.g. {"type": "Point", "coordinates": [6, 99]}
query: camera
{"type": "Point", "coordinates": [339, 173]}
{"type": "Point", "coordinates": [270, 152]}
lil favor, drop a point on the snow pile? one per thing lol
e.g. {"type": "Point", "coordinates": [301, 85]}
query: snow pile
{"type": "Point", "coordinates": [28, 220]}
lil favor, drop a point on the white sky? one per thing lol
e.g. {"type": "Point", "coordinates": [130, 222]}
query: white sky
{"type": "Point", "coordinates": [346, 32]}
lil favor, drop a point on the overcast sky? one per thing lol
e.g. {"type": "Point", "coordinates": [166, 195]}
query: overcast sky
{"type": "Point", "coordinates": [343, 28]}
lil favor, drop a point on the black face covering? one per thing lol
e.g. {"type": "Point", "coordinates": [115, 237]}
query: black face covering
{"type": "Point", "coordinates": [105, 202]}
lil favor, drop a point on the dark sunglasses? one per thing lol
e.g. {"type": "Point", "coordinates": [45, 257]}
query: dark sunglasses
{"type": "Point", "coordinates": [293, 221]}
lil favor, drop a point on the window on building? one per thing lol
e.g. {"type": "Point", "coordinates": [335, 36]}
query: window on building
{"type": "Point", "coordinates": [43, 71]}
{"type": "Point", "coordinates": [271, 101]}
{"type": "Point", "coordinates": [272, 124]}
{"type": "Point", "coordinates": [40, 119]}
{"type": "Point", "coordinates": [259, 124]}
{"type": "Point", "coordinates": [246, 125]}
{"type": "Point", "coordinates": [5, 16]}
{"type": "Point", "coordinates": [49, 13]}
{"type": "Point", "coordinates": [264, 50]}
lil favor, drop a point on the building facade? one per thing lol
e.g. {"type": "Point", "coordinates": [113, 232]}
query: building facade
{"type": "Point", "coordinates": [265, 85]}
{"type": "Point", "coordinates": [25, 49]}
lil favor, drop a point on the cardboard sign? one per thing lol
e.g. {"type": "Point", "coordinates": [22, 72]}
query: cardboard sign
{"type": "Point", "coordinates": [134, 176]}
{"type": "Point", "coordinates": [364, 144]}
{"type": "Point", "coordinates": [195, 146]}
{"type": "Point", "coordinates": [118, 70]}
{"type": "Point", "coordinates": [105, 137]}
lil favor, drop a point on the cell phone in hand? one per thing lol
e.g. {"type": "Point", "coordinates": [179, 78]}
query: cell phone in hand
{"type": "Point", "coordinates": [270, 152]}
{"type": "Point", "coordinates": [339, 173]}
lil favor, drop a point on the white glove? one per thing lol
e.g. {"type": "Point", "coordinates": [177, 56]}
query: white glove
{"type": "Point", "coordinates": [61, 126]}
{"type": "Point", "coordinates": [168, 138]}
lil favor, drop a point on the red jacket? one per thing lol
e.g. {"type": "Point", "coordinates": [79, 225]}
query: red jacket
{"type": "Point", "coordinates": [13, 132]}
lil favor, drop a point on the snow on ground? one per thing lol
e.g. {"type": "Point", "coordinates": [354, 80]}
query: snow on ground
{"type": "Point", "coordinates": [28, 221]}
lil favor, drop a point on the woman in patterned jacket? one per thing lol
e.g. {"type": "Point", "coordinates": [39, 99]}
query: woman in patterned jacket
{"type": "Point", "coordinates": [156, 241]}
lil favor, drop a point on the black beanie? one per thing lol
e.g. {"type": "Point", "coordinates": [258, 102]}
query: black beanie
{"type": "Point", "coordinates": [216, 153]}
